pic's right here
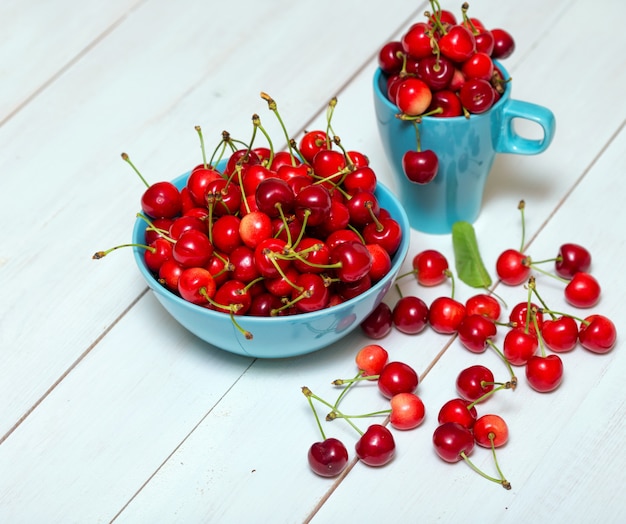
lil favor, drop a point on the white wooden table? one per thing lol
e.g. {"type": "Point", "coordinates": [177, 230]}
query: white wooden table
{"type": "Point", "coordinates": [109, 410]}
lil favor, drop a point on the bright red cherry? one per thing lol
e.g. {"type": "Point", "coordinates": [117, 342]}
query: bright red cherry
{"type": "Point", "coordinates": [475, 381]}
{"type": "Point", "coordinates": [583, 290]}
{"type": "Point", "coordinates": [475, 332]}
{"type": "Point", "coordinates": [420, 167]}
{"type": "Point", "coordinates": [413, 96]}
{"type": "Point", "coordinates": [407, 411]}
{"type": "Point", "coordinates": [597, 334]}
{"type": "Point", "coordinates": [457, 410]}
{"type": "Point", "coordinates": [410, 315]}
{"type": "Point", "coordinates": [544, 373]}
{"type": "Point", "coordinates": [446, 314]}
{"type": "Point", "coordinates": [431, 268]}
{"type": "Point", "coordinates": [371, 359]}
{"type": "Point", "coordinates": [452, 441]}
{"type": "Point", "coordinates": [376, 447]}
{"type": "Point", "coordinates": [560, 334]}
{"type": "Point", "coordinates": [491, 429]}
{"type": "Point", "coordinates": [397, 377]}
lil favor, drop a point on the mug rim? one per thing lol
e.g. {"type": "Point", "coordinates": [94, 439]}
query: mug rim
{"type": "Point", "coordinates": [378, 74]}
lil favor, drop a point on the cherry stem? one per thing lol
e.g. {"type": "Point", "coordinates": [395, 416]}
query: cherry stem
{"type": "Point", "coordinates": [101, 254]}
{"type": "Point", "coordinates": [340, 415]}
{"type": "Point", "coordinates": [274, 108]}
{"type": "Point", "coordinates": [256, 121]}
{"type": "Point", "coordinates": [501, 386]}
{"type": "Point", "coordinates": [308, 394]}
{"type": "Point", "coordinates": [506, 362]}
{"type": "Point", "coordinates": [542, 301]}
{"type": "Point", "coordinates": [541, 270]}
{"type": "Point", "coordinates": [126, 158]}
{"type": "Point", "coordinates": [345, 390]}
{"type": "Point", "coordinates": [505, 484]}
{"type": "Point", "coordinates": [521, 206]}
{"type": "Point", "coordinates": [330, 111]}
{"type": "Point", "coordinates": [199, 131]}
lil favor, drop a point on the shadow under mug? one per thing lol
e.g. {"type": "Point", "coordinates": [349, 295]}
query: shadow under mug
{"type": "Point", "coordinates": [466, 149]}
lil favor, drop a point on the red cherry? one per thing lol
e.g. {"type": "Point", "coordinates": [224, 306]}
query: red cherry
{"type": "Point", "coordinates": [397, 377]}
{"type": "Point", "coordinates": [445, 315]}
{"type": "Point", "coordinates": [381, 262]}
{"type": "Point", "coordinates": [314, 202]}
{"type": "Point", "coordinates": [413, 96]}
{"type": "Point", "coordinates": [410, 315]}
{"type": "Point", "coordinates": [353, 260]}
{"type": "Point", "coordinates": [417, 41]}
{"type": "Point", "coordinates": [490, 430]}
{"type": "Point", "coordinates": [328, 458]}
{"type": "Point", "coordinates": [162, 200]}
{"type": "Point", "coordinates": [475, 332]}
{"type": "Point", "coordinates": [519, 346]}
{"type": "Point", "coordinates": [225, 233]}
{"type": "Point", "coordinates": [376, 447]}
{"type": "Point", "coordinates": [457, 410]}
{"type": "Point", "coordinates": [390, 57]}
{"type": "Point", "coordinates": [483, 304]}
{"type": "Point", "coordinates": [583, 290]}
{"type": "Point", "coordinates": [158, 252]}
{"type": "Point", "coordinates": [232, 297]}
{"type": "Point", "coordinates": [544, 373]}
{"type": "Point", "coordinates": [571, 259]}
{"type": "Point", "coordinates": [407, 411]}
{"type": "Point", "coordinates": [198, 181]}
{"type": "Point", "coordinates": [448, 101]}
{"type": "Point", "coordinates": [311, 292]}
{"type": "Point", "coordinates": [435, 71]}
{"type": "Point", "coordinates": [522, 317]}
{"type": "Point", "coordinates": [560, 334]}
{"type": "Point", "coordinates": [479, 65]}
{"type": "Point", "coordinates": [274, 194]}
{"type": "Point", "coordinates": [452, 441]}
{"type": "Point", "coordinates": [371, 359]}
{"type": "Point", "coordinates": [477, 95]}
{"type": "Point", "coordinates": [513, 267]}
{"type": "Point", "coordinates": [430, 267]}
{"type": "Point", "coordinates": [597, 334]}
{"type": "Point", "coordinates": [420, 167]}
{"type": "Point", "coordinates": [474, 382]}
{"type": "Point", "coordinates": [504, 45]}
{"type": "Point", "coordinates": [378, 323]}
{"type": "Point", "coordinates": [363, 207]}
{"type": "Point", "coordinates": [386, 232]}
{"type": "Point", "coordinates": [313, 142]}
{"type": "Point", "coordinates": [458, 44]}
{"type": "Point", "coordinates": [193, 248]}
{"type": "Point", "coordinates": [255, 227]}
{"type": "Point", "coordinates": [195, 284]}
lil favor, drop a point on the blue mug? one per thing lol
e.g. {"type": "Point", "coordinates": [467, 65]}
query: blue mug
{"type": "Point", "coordinates": [466, 149]}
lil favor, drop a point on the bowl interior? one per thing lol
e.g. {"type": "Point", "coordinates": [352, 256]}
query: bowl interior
{"type": "Point", "coordinates": [278, 337]}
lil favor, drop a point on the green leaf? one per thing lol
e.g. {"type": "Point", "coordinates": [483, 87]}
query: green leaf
{"type": "Point", "coordinates": [469, 264]}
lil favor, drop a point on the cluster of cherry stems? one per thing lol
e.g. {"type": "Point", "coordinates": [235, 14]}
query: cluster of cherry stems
{"type": "Point", "coordinates": [535, 337]}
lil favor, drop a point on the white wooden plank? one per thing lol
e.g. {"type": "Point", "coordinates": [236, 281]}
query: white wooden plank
{"type": "Point", "coordinates": [41, 39]}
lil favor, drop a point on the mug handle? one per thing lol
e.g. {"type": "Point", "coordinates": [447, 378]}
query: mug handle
{"type": "Point", "coordinates": [511, 142]}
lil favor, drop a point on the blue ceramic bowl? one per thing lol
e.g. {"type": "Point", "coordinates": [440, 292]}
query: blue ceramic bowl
{"type": "Point", "coordinates": [278, 337]}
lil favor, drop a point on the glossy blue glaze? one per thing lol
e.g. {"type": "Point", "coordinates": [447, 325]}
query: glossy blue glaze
{"type": "Point", "coordinates": [466, 149]}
